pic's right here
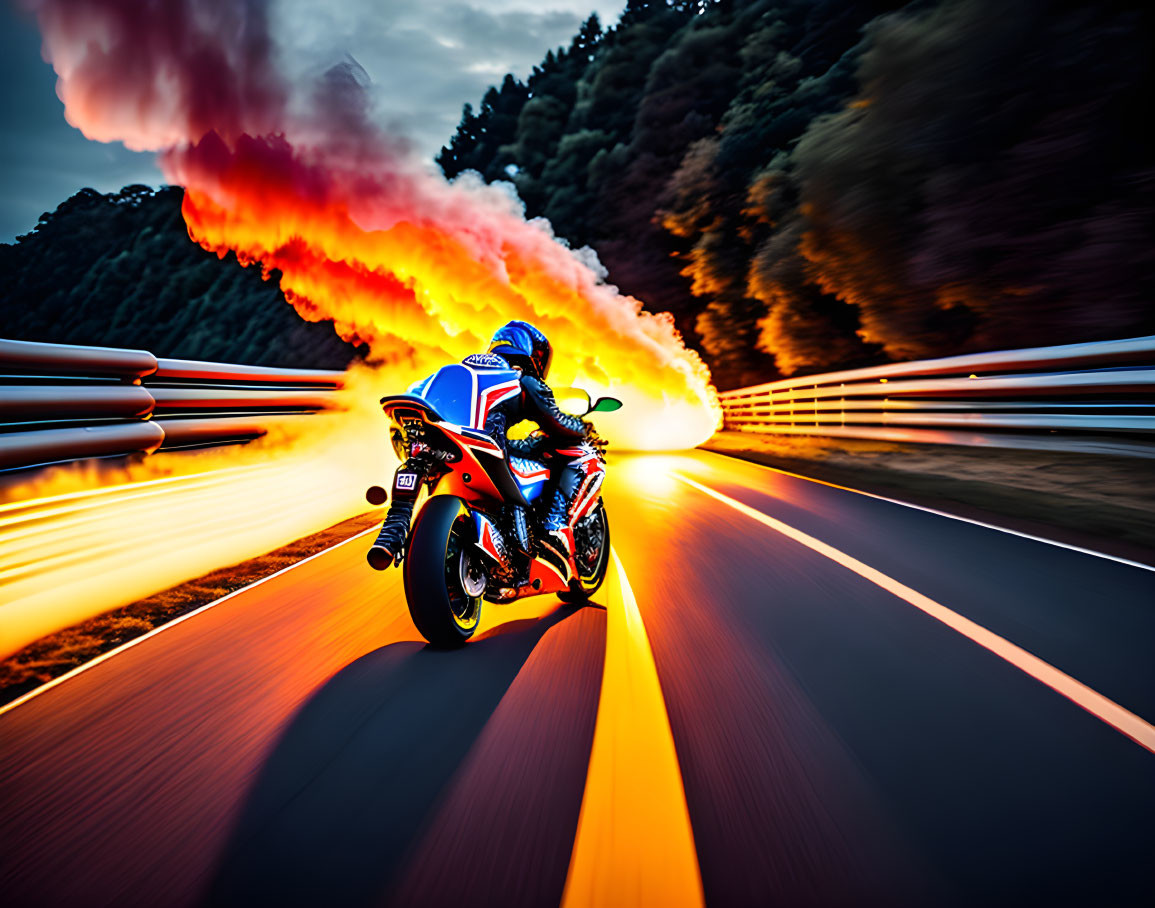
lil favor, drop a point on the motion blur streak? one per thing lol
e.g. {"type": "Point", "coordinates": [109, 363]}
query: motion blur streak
{"type": "Point", "coordinates": [72, 555]}
{"type": "Point", "coordinates": [187, 616]}
{"type": "Point", "coordinates": [634, 843]}
{"type": "Point", "coordinates": [295, 176]}
{"type": "Point", "coordinates": [1123, 720]}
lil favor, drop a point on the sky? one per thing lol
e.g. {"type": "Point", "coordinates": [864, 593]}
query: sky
{"type": "Point", "coordinates": [426, 58]}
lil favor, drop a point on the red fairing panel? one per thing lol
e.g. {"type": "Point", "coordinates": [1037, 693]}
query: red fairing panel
{"type": "Point", "coordinates": [491, 397]}
{"type": "Point", "coordinates": [551, 580]}
{"type": "Point", "coordinates": [480, 487]}
{"type": "Point", "coordinates": [593, 472]}
{"type": "Point", "coordinates": [587, 497]}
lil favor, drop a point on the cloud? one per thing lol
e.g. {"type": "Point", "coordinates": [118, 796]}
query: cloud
{"type": "Point", "coordinates": [43, 160]}
{"type": "Point", "coordinates": [425, 59]}
{"type": "Point", "coordinates": [298, 175]}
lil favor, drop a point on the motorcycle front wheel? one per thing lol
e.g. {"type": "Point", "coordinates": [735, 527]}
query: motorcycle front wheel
{"type": "Point", "coordinates": [591, 537]}
{"type": "Point", "coordinates": [438, 570]}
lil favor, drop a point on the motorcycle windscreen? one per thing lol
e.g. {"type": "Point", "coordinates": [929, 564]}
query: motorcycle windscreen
{"type": "Point", "coordinates": [463, 396]}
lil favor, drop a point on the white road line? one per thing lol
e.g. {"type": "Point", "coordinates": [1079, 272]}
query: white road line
{"type": "Point", "coordinates": [634, 843]}
{"type": "Point", "coordinates": [104, 657]}
{"type": "Point", "coordinates": [947, 514]}
{"type": "Point", "coordinates": [1122, 720]}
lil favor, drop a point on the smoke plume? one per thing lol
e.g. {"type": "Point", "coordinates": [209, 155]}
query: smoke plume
{"type": "Point", "coordinates": [295, 176]}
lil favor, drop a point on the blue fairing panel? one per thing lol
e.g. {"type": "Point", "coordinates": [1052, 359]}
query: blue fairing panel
{"type": "Point", "coordinates": [418, 385]}
{"type": "Point", "coordinates": [451, 391]}
{"type": "Point", "coordinates": [530, 475]}
{"type": "Point", "coordinates": [531, 490]}
{"type": "Point", "coordinates": [454, 391]}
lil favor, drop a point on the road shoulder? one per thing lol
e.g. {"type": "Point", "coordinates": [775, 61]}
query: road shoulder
{"type": "Point", "coordinates": [64, 651]}
{"type": "Point", "coordinates": [1105, 504]}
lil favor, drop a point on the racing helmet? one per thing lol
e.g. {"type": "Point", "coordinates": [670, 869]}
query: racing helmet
{"type": "Point", "coordinates": [521, 344]}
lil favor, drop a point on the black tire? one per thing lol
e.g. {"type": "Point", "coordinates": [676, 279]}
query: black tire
{"type": "Point", "coordinates": [592, 566]}
{"type": "Point", "coordinates": [444, 613]}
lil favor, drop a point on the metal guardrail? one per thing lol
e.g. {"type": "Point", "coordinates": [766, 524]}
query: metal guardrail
{"type": "Point", "coordinates": [1092, 397]}
{"type": "Point", "coordinates": [60, 402]}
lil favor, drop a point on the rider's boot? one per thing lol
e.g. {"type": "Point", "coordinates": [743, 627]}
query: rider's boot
{"type": "Point", "coordinates": [558, 536]}
{"type": "Point", "coordinates": [395, 530]}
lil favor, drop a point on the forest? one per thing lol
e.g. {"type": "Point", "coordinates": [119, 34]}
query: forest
{"type": "Point", "coordinates": [803, 184]}
{"type": "Point", "coordinates": [119, 270]}
{"type": "Point", "coordinates": [813, 184]}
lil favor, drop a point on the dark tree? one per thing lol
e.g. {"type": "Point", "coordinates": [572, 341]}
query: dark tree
{"type": "Point", "coordinates": [120, 271]}
{"type": "Point", "coordinates": [812, 184]}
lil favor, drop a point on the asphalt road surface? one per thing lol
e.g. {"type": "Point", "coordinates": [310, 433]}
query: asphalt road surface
{"type": "Point", "coordinates": [785, 694]}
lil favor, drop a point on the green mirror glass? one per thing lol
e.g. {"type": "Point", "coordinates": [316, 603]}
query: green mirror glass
{"type": "Point", "coordinates": [606, 405]}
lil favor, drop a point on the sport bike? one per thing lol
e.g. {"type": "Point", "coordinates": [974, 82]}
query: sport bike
{"type": "Point", "coordinates": [478, 536]}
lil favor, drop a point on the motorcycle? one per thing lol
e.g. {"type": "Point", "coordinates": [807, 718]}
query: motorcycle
{"type": "Point", "coordinates": [476, 537]}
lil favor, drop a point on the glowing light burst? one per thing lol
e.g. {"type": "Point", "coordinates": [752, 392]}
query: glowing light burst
{"type": "Point", "coordinates": [75, 542]}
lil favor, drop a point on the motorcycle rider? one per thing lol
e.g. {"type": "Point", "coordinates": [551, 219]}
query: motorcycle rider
{"type": "Point", "coordinates": [517, 345]}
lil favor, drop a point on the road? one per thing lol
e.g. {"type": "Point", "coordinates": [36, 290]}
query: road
{"type": "Point", "coordinates": [785, 694]}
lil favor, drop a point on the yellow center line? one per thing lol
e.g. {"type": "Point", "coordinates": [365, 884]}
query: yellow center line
{"type": "Point", "coordinates": [1122, 720]}
{"type": "Point", "coordinates": [634, 844]}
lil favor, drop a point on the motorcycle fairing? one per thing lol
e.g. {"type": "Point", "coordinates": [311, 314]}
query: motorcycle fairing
{"type": "Point", "coordinates": [548, 573]}
{"type": "Point", "coordinates": [587, 496]}
{"type": "Point", "coordinates": [489, 538]}
{"type": "Point", "coordinates": [464, 394]}
{"type": "Point", "coordinates": [593, 473]}
{"type": "Point", "coordinates": [545, 577]}
{"type": "Point", "coordinates": [530, 475]}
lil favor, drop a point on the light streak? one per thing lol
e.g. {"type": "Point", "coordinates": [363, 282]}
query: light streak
{"type": "Point", "coordinates": [136, 641]}
{"type": "Point", "coordinates": [67, 556]}
{"type": "Point", "coordinates": [947, 514]}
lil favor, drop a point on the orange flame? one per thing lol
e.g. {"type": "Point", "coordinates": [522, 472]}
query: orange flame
{"type": "Point", "coordinates": [423, 271]}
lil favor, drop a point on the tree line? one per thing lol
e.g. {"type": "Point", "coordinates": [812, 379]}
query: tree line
{"type": "Point", "coordinates": [119, 270]}
{"type": "Point", "coordinates": [815, 184]}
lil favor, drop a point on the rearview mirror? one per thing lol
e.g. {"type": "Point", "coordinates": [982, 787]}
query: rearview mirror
{"type": "Point", "coordinates": [606, 405]}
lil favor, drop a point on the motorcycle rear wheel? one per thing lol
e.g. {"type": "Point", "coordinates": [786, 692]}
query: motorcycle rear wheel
{"type": "Point", "coordinates": [592, 541]}
{"type": "Point", "coordinates": [444, 613]}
